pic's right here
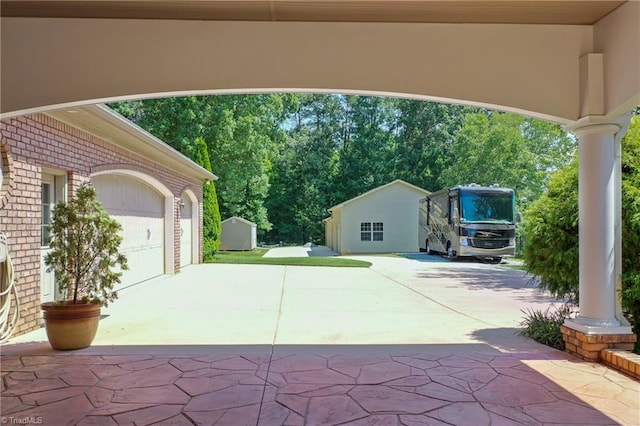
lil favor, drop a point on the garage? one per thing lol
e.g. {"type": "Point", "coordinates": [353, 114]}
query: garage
{"type": "Point", "coordinates": [140, 210]}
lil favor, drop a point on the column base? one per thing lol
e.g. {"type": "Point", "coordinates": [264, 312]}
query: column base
{"type": "Point", "coordinates": [589, 345]}
{"type": "Point", "coordinates": [590, 326]}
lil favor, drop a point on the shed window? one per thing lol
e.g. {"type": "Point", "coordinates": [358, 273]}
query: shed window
{"type": "Point", "coordinates": [371, 231]}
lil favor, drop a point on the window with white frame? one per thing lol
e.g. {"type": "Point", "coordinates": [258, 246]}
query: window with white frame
{"type": "Point", "coordinates": [53, 191]}
{"type": "Point", "coordinates": [48, 197]}
{"type": "Point", "coordinates": [371, 231]}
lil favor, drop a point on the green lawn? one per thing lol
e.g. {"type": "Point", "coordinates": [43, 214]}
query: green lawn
{"type": "Point", "coordinates": [516, 263]}
{"type": "Point", "coordinates": [255, 257]}
{"type": "Point", "coordinates": [516, 267]}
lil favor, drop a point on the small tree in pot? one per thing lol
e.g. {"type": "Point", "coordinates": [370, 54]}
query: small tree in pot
{"type": "Point", "coordinates": [87, 265]}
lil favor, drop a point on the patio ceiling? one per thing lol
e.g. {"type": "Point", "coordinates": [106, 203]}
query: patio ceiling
{"type": "Point", "coordinates": [417, 11]}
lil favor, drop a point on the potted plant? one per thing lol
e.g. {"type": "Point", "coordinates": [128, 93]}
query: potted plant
{"type": "Point", "coordinates": [87, 265]}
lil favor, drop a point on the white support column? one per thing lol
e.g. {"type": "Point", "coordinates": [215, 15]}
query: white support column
{"type": "Point", "coordinates": [599, 217]}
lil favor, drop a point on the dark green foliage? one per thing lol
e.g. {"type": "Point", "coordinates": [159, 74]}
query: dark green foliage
{"type": "Point", "coordinates": [425, 141]}
{"type": "Point", "coordinates": [304, 168]}
{"type": "Point", "coordinates": [240, 132]}
{"type": "Point", "coordinates": [84, 250]}
{"type": "Point", "coordinates": [212, 227]}
{"type": "Point", "coordinates": [631, 225]}
{"type": "Point", "coordinates": [507, 149]}
{"type": "Point", "coordinates": [544, 327]}
{"type": "Point", "coordinates": [551, 234]}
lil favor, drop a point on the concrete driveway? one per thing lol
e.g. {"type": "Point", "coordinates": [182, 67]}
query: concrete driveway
{"type": "Point", "coordinates": [413, 340]}
{"type": "Point", "coordinates": [417, 300]}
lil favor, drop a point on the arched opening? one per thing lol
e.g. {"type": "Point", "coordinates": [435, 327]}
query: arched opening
{"type": "Point", "coordinates": [144, 208]}
{"type": "Point", "coordinates": [189, 236]}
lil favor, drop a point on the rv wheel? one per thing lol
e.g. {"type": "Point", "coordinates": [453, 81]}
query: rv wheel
{"type": "Point", "coordinates": [450, 253]}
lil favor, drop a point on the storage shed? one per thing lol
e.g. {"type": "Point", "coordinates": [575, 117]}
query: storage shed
{"type": "Point", "coordinates": [383, 220]}
{"type": "Point", "coordinates": [238, 234]}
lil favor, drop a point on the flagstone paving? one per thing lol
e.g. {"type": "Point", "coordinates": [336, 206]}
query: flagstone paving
{"type": "Point", "coordinates": [407, 342]}
{"type": "Point", "coordinates": [354, 388]}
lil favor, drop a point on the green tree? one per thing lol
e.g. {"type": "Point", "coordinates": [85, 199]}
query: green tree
{"type": "Point", "coordinates": [212, 228]}
{"type": "Point", "coordinates": [304, 169]}
{"type": "Point", "coordinates": [510, 150]}
{"type": "Point", "coordinates": [176, 121]}
{"type": "Point", "coordinates": [240, 132]}
{"type": "Point", "coordinates": [550, 230]}
{"type": "Point", "coordinates": [366, 157]}
{"type": "Point", "coordinates": [84, 250]}
{"type": "Point", "coordinates": [424, 143]}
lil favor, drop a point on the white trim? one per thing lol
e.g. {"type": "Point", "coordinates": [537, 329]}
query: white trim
{"type": "Point", "coordinates": [366, 194]}
{"type": "Point", "coordinates": [107, 124]}
{"type": "Point", "coordinates": [195, 225]}
{"type": "Point", "coordinates": [597, 329]}
{"type": "Point", "coordinates": [245, 221]}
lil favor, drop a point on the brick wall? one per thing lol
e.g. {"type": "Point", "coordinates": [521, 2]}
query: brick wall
{"type": "Point", "coordinates": [32, 142]}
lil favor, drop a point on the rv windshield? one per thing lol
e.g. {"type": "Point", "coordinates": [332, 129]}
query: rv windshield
{"type": "Point", "coordinates": [487, 207]}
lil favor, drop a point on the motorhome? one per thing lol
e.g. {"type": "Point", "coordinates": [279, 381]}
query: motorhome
{"type": "Point", "coordinates": [471, 220]}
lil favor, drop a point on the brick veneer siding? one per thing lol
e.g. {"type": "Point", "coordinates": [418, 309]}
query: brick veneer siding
{"type": "Point", "coordinates": [36, 141]}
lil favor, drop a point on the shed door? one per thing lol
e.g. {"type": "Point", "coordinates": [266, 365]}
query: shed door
{"type": "Point", "coordinates": [186, 248]}
{"type": "Point", "coordinates": [140, 210]}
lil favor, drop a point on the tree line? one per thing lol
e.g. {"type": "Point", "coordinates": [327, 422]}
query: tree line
{"type": "Point", "coordinates": [284, 159]}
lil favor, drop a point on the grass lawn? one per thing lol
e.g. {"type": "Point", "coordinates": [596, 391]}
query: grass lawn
{"type": "Point", "coordinates": [515, 263]}
{"type": "Point", "coordinates": [255, 257]}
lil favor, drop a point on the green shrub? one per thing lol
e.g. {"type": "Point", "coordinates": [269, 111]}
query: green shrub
{"type": "Point", "coordinates": [551, 233]}
{"type": "Point", "coordinates": [544, 326]}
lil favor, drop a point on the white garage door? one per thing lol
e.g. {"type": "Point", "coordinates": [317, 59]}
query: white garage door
{"type": "Point", "coordinates": [185, 232]}
{"type": "Point", "coordinates": [140, 210]}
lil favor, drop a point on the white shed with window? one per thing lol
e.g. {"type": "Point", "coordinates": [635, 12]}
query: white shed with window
{"type": "Point", "coordinates": [383, 220]}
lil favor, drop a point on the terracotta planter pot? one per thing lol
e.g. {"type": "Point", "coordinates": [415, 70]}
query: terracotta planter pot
{"type": "Point", "coordinates": [71, 326]}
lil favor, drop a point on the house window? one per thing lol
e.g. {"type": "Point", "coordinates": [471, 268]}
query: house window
{"type": "Point", "coordinates": [53, 191]}
{"type": "Point", "coordinates": [371, 231]}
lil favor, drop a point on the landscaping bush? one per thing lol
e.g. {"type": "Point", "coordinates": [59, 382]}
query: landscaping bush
{"type": "Point", "coordinates": [544, 327]}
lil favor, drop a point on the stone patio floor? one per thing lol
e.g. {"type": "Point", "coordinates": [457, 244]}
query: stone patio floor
{"type": "Point", "coordinates": [333, 385]}
{"type": "Point", "coordinates": [405, 342]}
